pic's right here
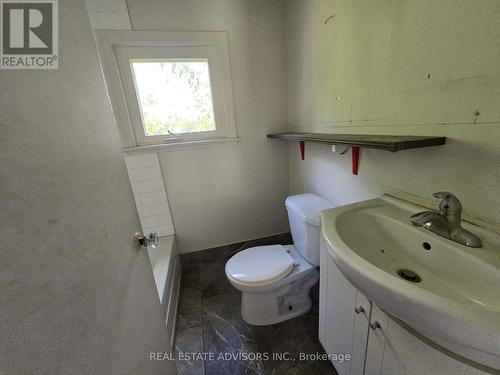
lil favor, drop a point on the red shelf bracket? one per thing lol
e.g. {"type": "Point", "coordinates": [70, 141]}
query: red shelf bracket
{"type": "Point", "coordinates": [302, 150]}
{"type": "Point", "coordinates": [355, 160]}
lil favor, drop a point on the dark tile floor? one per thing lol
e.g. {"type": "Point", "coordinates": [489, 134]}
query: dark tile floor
{"type": "Point", "coordinates": [209, 322]}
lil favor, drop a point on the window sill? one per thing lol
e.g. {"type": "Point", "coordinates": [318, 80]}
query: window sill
{"type": "Point", "coordinates": [184, 145]}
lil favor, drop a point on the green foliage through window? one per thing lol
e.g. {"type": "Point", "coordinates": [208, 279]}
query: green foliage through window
{"type": "Point", "coordinates": [174, 96]}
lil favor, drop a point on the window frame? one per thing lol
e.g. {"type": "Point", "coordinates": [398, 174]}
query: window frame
{"type": "Point", "coordinates": [127, 55]}
{"type": "Point", "coordinates": [116, 49]}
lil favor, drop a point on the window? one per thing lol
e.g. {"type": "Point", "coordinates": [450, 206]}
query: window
{"type": "Point", "coordinates": [168, 87]}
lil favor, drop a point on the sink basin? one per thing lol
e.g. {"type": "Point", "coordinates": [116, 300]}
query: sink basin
{"type": "Point", "coordinates": [445, 291]}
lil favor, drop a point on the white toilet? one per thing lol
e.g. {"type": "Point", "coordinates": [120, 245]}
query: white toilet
{"type": "Point", "coordinates": [275, 280]}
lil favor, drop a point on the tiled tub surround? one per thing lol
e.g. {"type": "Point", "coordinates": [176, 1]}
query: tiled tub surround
{"type": "Point", "coordinates": [108, 14]}
{"type": "Point", "coordinates": [209, 321]}
{"type": "Point", "coordinates": [149, 193]}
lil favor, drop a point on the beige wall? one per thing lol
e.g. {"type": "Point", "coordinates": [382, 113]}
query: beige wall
{"type": "Point", "coordinates": [221, 195]}
{"type": "Point", "coordinates": [398, 67]}
{"type": "Point", "coordinates": [76, 297]}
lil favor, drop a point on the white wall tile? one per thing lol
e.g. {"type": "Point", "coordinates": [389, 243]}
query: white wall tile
{"type": "Point", "coordinates": [110, 20]}
{"type": "Point", "coordinates": [152, 198]}
{"type": "Point", "coordinates": [149, 193]}
{"type": "Point", "coordinates": [141, 161]}
{"type": "Point", "coordinates": [142, 174]}
{"type": "Point", "coordinates": [153, 209]}
{"type": "Point", "coordinates": [147, 186]}
{"type": "Point", "coordinates": [152, 221]}
{"type": "Point", "coordinates": [106, 5]}
{"type": "Point", "coordinates": [161, 230]}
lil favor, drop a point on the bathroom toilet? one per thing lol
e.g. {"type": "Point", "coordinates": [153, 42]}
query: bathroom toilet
{"type": "Point", "coordinates": [275, 280]}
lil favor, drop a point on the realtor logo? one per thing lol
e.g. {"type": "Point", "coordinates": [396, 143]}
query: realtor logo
{"type": "Point", "coordinates": [29, 37]}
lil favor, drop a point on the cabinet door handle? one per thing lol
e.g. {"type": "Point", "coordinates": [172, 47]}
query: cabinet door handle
{"type": "Point", "coordinates": [359, 310]}
{"type": "Point", "coordinates": [374, 325]}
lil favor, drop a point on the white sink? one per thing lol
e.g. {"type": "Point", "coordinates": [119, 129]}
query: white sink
{"type": "Point", "coordinates": [457, 302]}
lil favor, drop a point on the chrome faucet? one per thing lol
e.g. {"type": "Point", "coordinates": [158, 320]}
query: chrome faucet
{"type": "Point", "coordinates": [447, 223]}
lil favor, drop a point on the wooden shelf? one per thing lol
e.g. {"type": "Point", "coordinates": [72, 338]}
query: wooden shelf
{"type": "Point", "coordinates": [382, 142]}
{"type": "Point", "coordinates": [356, 141]}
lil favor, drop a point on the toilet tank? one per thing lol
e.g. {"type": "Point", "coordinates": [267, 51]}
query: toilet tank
{"type": "Point", "coordinates": [305, 223]}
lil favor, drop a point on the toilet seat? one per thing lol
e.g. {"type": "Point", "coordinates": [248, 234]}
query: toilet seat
{"type": "Point", "coordinates": [260, 265]}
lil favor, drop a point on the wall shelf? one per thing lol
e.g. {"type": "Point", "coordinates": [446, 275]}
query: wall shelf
{"type": "Point", "coordinates": [391, 143]}
{"type": "Point", "coordinates": [382, 142]}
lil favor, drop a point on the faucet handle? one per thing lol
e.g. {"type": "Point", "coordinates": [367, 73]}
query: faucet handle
{"type": "Point", "coordinates": [449, 203]}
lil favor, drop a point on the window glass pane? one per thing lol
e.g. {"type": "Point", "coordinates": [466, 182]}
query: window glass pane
{"type": "Point", "coordinates": [174, 96]}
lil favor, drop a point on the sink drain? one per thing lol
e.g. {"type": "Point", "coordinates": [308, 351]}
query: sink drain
{"type": "Point", "coordinates": [409, 275]}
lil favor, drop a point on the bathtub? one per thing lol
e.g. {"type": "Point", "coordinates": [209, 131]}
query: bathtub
{"type": "Point", "coordinates": [166, 268]}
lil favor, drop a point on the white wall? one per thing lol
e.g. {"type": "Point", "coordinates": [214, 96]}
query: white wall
{"type": "Point", "coordinates": [220, 195]}
{"type": "Point", "coordinates": [367, 71]}
{"type": "Point", "coordinates": [76, 297]}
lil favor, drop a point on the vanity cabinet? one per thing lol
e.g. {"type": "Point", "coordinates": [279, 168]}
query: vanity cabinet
{"type": "Point", "coordinates": [378, 344]}
{"type": "Point", "coordinates": [343, 318]}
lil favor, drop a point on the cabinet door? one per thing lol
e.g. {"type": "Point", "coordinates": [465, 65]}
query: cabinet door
{"type": "Point", "coordinates": [323, 286]}
{"type": "Point", "coordinates": [376, 341]}
{"type": "Point", "coordinates": [362, 313]}
{"type": "Point", "coordinates": [341, 330]}
{"type": "Point", "coordinates": [340, 303]}
{"type": "Point", "coordinates": [406, 353]}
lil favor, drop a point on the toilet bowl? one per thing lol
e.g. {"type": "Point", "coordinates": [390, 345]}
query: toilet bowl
{"type": "Point", "coordinates": [275, 280]}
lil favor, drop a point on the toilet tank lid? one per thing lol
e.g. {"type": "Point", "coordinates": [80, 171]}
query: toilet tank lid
{"type": "Point", "coordinates": [308, 206]}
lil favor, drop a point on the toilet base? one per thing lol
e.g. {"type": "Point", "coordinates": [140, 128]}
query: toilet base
{"type": "Point", "coordinates": [286, 302]}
